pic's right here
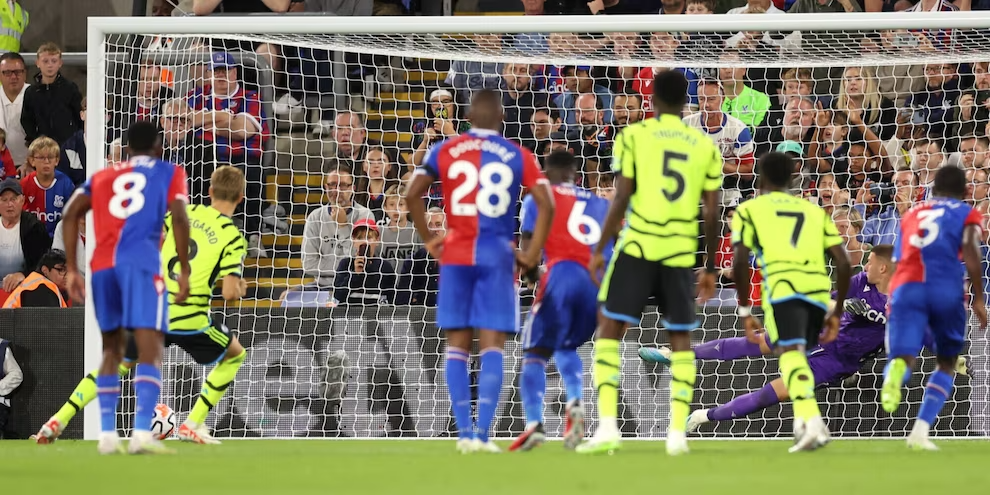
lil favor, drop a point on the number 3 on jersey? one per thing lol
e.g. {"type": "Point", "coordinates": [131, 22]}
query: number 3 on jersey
{"type": "Point", "coordinates": [491, 199]}
{"type": "Point", "coordinates": [927, 223]}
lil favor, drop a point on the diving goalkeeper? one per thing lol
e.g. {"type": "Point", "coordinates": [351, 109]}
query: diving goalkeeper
{"type": "Point", "coordinates": [861, 338]}
{"type": "Point", "coordinates": [216, 252]}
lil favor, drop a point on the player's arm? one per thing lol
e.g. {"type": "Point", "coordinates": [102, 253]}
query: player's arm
{"type": "Point", "coordinates": [232, 285]}
{"type": "Point", "coordinates": [78, 206]}
{"type": "Point", "coordinates": [178, 198]}
{"type": "Point", "coordinates": [843, 272]}
{"type": "Point", "coordinates": [418, 186]}
{"type": "Point", "coordinates": [742, 237]}
{"type": "Point", "coordinates": [539, 190]}
{"type": "Point", "coordinates": [974, 268]}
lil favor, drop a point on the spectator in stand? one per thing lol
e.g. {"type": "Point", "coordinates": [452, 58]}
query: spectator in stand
{"type": "Point", "coordinates": [593, 141]}
{"type": "Point", "coordinates": [663, 47]}
{"type": "Point", "coordinates": [364, 278]}
{"type": "Point", "coordinates": [926, 158]}
{"type": "Point", "coordinates": [578, 81]}
{"type": "Point", "coordinates": [780, 40]}
{"type": "Point", "coordinates": [979, 185]}
{"type": "Point", "coordinates": [442, 122]}
{"type": "Point", "coordinates": [625, 47]}
{"type": "Point", "coordinates": [13, 74]}
{"type": "Point", "coordinates": [849, 223]}
{"type": "Point", "coordinates": [767, 6]}
{"type": "Point", "coordinates": [544, 123]}
{"type": "Point", "coordinates": [732, 137]}
{"type": "Point", "coordinates": [176, 147]}
{"type": "Point", "coordinates": [72, 157]}
{"type": "Point", "coordinates": [797, 125]}
{"type": "Point", "coordinates": [518, 100]}
{"type": "Point", "coordinates": [974, 105]}
{"type": "Point", "coordinates": [673, 7]}
{"type": "Point", "coordinates": [151, 93]}
{"type": "Point", "coordinates": [420, 277]}
{"type": "Point", "coordinates": [47, 190]}
{"type": "Point", "coordinates": [7, 167]}
{"type": "Point", "coordinates": [468, 77]}
{"type": "Point", "coordinates": [883, 227]}
{"type": "Point", "coordinates": [829, 143]}
{"type": "Point", "coordinates": [14, 20]}
{"type": "Point", "coordinates": [378, 173]}
{"type": "Point", "coordinates": [622, 7]}
{"type": "Point", "coordinates": [700, 7]}
{"type": "Point", "coordinates": [399, 237]}
{"type": "Point", "coordinates": [972, 152]}
{"type": "Point", "coordinates": [824, 6]}
{"type": "Point", "coordinates": [53, 104]}
{"type": "Point", "coordinates": [858, 93]}
{"type": "Point", "coordinates": [327, 236]}
{"type": "Point", "coordinates": [627, 108]}
{"type": "Point", "coordinates": [741, 101]}
{"type": "Point", "coordinates": [23, 239]}
{"type": "Point", "coordinates": [58, 241]}
{"type": "Point", "coordinates": [935, 104]}
{"type": "Point", "coordinates": [802, 183]}
{"type": "Point", "coordinates": [795, 83]}
{"type": "Point", "coordinates": [830, 196]}
{"type": "Point", "coordinates": [269, 51]}
{"type": "Point", "coordinates": [10, 378]}
{"type": "Point", "coordinates": [229, 128]}
{"type": "Point", "coordinates": [350, 136]}
{"type": "Point", "coordinates": [44, 287]}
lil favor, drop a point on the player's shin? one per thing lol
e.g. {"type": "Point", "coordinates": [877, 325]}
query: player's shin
{"type": "Point", "coordinates": [533, 386]}
{"type": "Point", "coordinates": [937, 391]}
{"type": "Point", "coordinates": [682, 376]}
{"type": "Point", "coordinates": [459, 388]}
{"type": "Point", "coordinates": [571, 373]}
{"type": "Point", "coordinates": [216, 383]}
{"type": "Point", "coordinates": [147, 388]}
{"type": "Point", "coordinates": [727, 349]}
{"type": "Point", "coordinates": [606, 375]}
{"type": "Point", "coordinates": [800, 383]}
{"type": "Point", "coordinates": [745, 405]}
{"type": "Point", "coordinates": [489, 389]}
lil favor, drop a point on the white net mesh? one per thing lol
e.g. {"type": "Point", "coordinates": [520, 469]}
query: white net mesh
{"type": "Point", "coordinates": [335, 350]}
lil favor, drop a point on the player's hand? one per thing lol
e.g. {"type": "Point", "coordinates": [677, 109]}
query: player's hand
{"type": "Point", "coordinates": [966, 103]}
{"type": "Point", "coordinates": [183, 284]}
{"type": "Point", "coordinates": [527, 262]}
{"type": "Point", "coordinates": [595, 266]}
{"type": "Point", "coordinates": [435, 247]}
{"type": "Point", "coordinates": [980, 310]}
{"type": "Point", "coordinates": [856, 306]}
{"type": "Point", "coordinates": [706, 285]}
{"type": "Point", "coordinates": [831, 330]}
{"type": "Point", "coordinates": [10, 282]}
{"type": "Point", "coordinates": [242, 287]}
{"type": "Point", "coordinates": [445, 127]}
{"type": "Point", "coordinates": [76, 285]}
{"type": "Point", "coordinates": [753, 329]}
{"type": "Point", "coordinates": [359, 263]}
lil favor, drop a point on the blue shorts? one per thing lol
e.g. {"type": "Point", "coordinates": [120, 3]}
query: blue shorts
{"type": "Point", "coordinates": [129, 298]}
{"type": "Point", "coordinates": [478, 297]}
{"type": "Point", "coordinates": [914, 309]}
{"type": "Point", "coordinates": [564, 314]}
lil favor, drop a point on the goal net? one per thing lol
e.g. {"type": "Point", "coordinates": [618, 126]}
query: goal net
{"type": "Point", "coordinates": [328, 121]}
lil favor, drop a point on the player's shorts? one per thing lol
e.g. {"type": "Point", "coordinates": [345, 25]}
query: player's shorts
{"type": "Point", "coordinates": [914, 308]}
{"type": "Point", "coordinates": [630, 281]}
{"type": "Point", "coordinates": [794, 322]}
{"type": "Point", "coordinates": [564, 314]}
{"type": "Point", "coordinates": [129, 298]}
{"type": "Point", "coordinates": [206, 347]}
{"type": "Point", "coordinates": [829, 371]}
{"type": "Point", "coordinates": [479, 297]}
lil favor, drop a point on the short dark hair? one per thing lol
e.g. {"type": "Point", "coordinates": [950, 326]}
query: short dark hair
{"type": "Point", "coordinates": [561, 160]}
{"type": "Point", "coordinates": [51, 259]}
{"type": "Point", "coordinates": [670, 87]}
{"type": "Point", "coordinates": [143, 136]}
{"type": "Point", "coordinates": [775, 169]}
{"type": "Point", "coordinates": [950, 181]}
{"type": "Point", "coordinates": [12, 56]}
{"type": "Point", "coordinates": [885, 251]}
{"type": "Point", "coordinates": [339, 167]}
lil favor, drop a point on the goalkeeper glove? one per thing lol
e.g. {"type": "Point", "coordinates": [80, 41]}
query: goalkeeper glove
{"type": "Point", "coordinates": [856, 306]}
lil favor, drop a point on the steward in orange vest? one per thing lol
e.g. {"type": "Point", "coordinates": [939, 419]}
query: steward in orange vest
{"type": "Point", "coordinates": [43, 287]}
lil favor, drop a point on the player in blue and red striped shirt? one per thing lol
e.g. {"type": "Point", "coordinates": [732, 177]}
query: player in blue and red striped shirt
{"type": "Point", "coordinates": [129, 203]}
{"type": "Point", "coordinates": [482, 175]}
{"type": "Point", "coordinates": [563, 316]}
{"type": "Point", "coordinates": [929, 291]}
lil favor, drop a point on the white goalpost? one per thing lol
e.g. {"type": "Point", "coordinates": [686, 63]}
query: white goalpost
{"type": "Point", "coordinates": [859, 98]}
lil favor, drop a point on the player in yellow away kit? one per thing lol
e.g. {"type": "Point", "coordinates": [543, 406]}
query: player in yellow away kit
{"type": "Point", "coordinates": [216, 251]}
{"type": "Point", "coordinates": [790, 237]}
{"type": "Point", "coordinates": [664, 170]}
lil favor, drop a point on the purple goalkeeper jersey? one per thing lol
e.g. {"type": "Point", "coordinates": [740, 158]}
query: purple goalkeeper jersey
{"type": "Point", "coordinates": [861, 337]}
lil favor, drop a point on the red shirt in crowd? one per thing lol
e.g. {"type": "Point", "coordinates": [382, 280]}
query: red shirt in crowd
{"type": "Point", "coordinates": [723, 259]}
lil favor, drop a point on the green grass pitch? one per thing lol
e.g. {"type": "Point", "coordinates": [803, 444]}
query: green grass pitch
{"type": "Point", "coordinates": [348, 467]}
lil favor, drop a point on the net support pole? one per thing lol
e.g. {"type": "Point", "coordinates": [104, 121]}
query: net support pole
{"type": "Point", "coordinates": [95, 140]}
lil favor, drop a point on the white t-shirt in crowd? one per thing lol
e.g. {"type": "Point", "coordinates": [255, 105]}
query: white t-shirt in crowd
{"type": "Point", "coordinates": [11, 252]}
{"type": "Point", "coordinates": [10, 120]}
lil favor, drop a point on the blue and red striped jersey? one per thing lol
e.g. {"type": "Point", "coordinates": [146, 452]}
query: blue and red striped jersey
{"type": "Point", "coordinates": [47, 202]}
{"type": "Point", "coordinates": [481, 176]}
{"type": "Point", "coordinates": [130, 201]}
{"type": "Point", "coordinates": [577, 224]}
{"type": "Point", "coordinates": [929, 245]}
{"type": "Point", "coordinates": [241, 102]}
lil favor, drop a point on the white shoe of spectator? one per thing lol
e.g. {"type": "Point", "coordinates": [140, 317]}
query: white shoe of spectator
{"type": "Point", "coordinates": [273, 220]}
{"type": "Point", "coordinates": [287, 108]}
{"type": "Point", "coordinates": [255, 249]}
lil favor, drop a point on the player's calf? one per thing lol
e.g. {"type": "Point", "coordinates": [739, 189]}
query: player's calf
{"type": "Point", "coordinates": [216, 384]}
